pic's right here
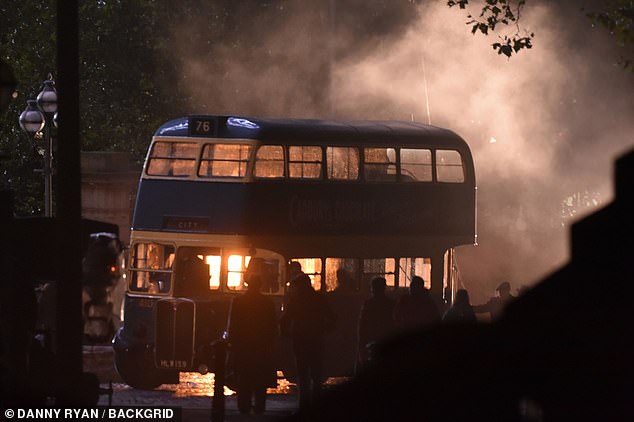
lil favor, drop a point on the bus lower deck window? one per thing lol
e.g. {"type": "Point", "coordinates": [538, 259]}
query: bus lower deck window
{"type": "Point", "coordinates": [382, 267]}
{"type": "Point", "coordinates": [342, 274]}
{"type": "Point", "coordinates": [410, 267]}
{"type": "Point", "coordinates": [312, 267]}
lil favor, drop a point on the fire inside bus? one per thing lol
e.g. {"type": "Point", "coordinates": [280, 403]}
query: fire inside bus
{"type": "Point", "coordinates": [348, 200]}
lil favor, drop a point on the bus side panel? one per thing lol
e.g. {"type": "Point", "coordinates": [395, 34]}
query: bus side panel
{"type": "Point", "coordinates": [291, 208]}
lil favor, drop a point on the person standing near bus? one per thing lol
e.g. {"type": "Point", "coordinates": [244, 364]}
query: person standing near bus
{"type": "Point", "coordinates": [192, 274]}
{"type": "Point", "coordinates": [376, 321]}
{"type": "Point", "coordinates": [461, 310]}
{"type": "Point", "coordinates": [416, 309]}
{"type": "Point", "coordinates": [306, 319]}
{"type": "Point", "coordinates": [252, 329]}
{"type": "Point", "coordinates": [496, 304]}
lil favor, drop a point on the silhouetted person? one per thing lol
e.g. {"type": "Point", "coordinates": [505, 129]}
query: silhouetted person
{"type": "Point", "coordinates": [252, 329]}
{"type": "Point", "coordinates": [192, 275]}
{"type": "Point", "coordinates": [416, 309]}
{"type": "Point", "coordinates": [559, 352]}
{"type": "Point", "coordinates": [496, 304]}
{"type": "Point", "coordinates": [345, 283]}
{"type": "Point", "coordinates": [306, 319]}
{"type": "Point", "coordinates": [461, 310]}
{"type": "Point", "coordinates": [376, 320]}
{"type": "Point", "coordinates": [294, 269]}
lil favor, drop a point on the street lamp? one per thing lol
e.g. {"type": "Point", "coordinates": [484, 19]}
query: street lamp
{"type": "Point", "coordinates": [37, 117]}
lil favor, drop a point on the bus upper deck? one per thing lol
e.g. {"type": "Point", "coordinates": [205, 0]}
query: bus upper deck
{"type": "Point", "coordinates": [279, 180]}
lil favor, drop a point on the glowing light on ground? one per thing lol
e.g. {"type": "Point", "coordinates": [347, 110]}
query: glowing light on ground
{"type": "Point", "coordinates": [193, 384]}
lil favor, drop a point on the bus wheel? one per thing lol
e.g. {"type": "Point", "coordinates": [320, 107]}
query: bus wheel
{"type": "Point", "coordinates": [135, 364]}
{"type": "Point", "coordinates": [137, 369]}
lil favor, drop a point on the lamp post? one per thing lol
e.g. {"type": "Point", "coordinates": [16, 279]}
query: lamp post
{"type": "Point", "coordinates": [37, 118]}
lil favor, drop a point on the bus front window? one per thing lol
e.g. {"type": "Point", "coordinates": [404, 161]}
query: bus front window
{"type": "Point", "coordinates": [224, 160]}
{"type": "Point", "coordinates": [151, 268]}
{"type": "Point", "coordinates": [176, 159]}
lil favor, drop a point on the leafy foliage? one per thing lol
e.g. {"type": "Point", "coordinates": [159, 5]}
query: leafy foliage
{"type": "Point", "coordinates": [127, 89]}
{"type": "Point", "coordinates": [618, 18]}
{"type": "Point", "coordinates": [495, 13]}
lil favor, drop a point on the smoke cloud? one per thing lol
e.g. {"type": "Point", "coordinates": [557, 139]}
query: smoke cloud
{"type": "Point", "coordinates": [543, 126]}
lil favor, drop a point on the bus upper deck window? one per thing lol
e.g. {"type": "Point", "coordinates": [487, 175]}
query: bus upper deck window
{"type": "Point", "coordinates": [304, 162]}
{"type": "Point", "coordinates": [449, 166]}
{"type": "Point", "coordinates": [343, 163]}
{"type": "Point", "coordinates": [176, 159]}
{"type": "Point", "coordinates": [269, 161]}
{"type": "Point", "coordinates": [416, 165]}
{"type": "Point", "coordinates": [224, 160]}
{"type": "Point", "coordinates": [379, 164]}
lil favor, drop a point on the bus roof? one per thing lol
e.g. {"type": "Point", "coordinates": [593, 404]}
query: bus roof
{"type": "Point", "coordinates": [308, 130]}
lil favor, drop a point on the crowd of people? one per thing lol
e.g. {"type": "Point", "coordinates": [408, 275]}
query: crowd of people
{"type": "Point", "coordinates": [306, 319]}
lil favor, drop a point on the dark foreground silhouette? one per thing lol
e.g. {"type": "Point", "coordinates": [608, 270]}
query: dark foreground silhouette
{"type": "Point", "coordinates": [563, 351]}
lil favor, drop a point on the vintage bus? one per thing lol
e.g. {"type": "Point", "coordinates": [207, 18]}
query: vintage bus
{"type": "Point", "coordinates": [348, 200]}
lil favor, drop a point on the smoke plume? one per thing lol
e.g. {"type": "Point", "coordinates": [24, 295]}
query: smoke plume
{"type": "Point", "coordinates": [544, 126]}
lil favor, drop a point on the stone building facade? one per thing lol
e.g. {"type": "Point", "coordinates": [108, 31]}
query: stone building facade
{"type": "Point", "coordinates": [108, 188]}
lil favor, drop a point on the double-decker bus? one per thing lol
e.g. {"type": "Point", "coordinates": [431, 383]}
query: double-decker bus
{"type": "Point", "coordinates": [348, 200]}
